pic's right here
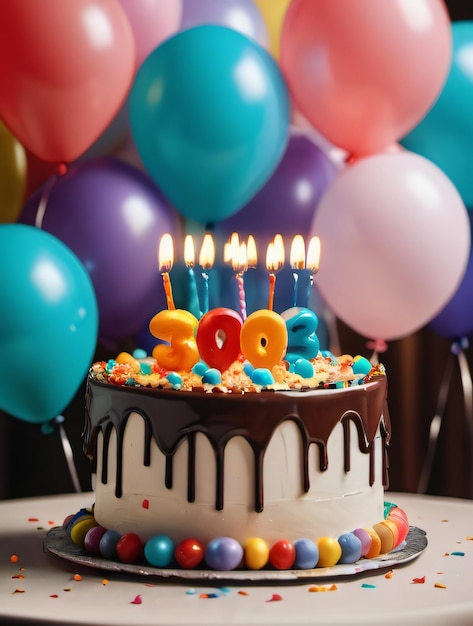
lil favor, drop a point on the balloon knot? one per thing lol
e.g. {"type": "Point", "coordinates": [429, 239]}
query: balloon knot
{"type": "Point", "coordinates": [61, 169]}
{"type": "Point", "coordinates": [49, 427]}
{"type": "Point", "coordinates": [459, 345]}
{"type": "Point", "coordinates": [377, 345]}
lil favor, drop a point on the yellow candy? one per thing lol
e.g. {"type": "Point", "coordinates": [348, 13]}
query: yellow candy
{"type": "Point", "coordinates": [81, 528]}
{"type": "Point", "coordinates": [256, 553]}
{"type": "Point", "coordinates": [330, 552]}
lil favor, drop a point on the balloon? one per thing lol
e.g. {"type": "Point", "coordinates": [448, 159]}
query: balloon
{"type": "Point", "coordinates": [362, 72]}
{"type": "Point", "coordinates": [273, 12]}
{"type": "Point", "coordinates": [112, 217]}
{"type": "Point", "coordinates": [241, 15]}
{"type": "Point", "coordinates": [209, 115]}
{"type": "Point", "coordinates": [287, 201]}
{"type": "Point", "coordinates": [455, 320]}
{"type": "Point", "coordinates": [48, 325]}
{"type": "Point", "coordinates": [445, 135]}
{"type": "Point", "coordinates": [66, 68]}
{"type": "Point", "coordinates": [395, 241]}
{"type": "Point", "coordinates": [13, 167]}
{"type": "Point", "coordinates": [152, 21]}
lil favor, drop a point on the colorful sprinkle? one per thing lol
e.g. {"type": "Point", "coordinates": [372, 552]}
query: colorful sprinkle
{"type": "Point", "coordinates": [19, 576]}
{"type": "Point", "coordinates": [457, 554]}
{"type": "Point", "coordinates": [275, 598]}
{"type": "Point", "coordinates": [389, 574]}
{"type": "Point", "coordinates": [242, 593]}
{"type": "Point", "coordinates": [368, 586]}
{"type": "Point", "coordinates": [136, 600]}
{"type": "Point", "coordinates": [145, 504]}
{"type": "Point", "coordinates": [440, 586]}
{"type": "Point", "coordinates": [18, 591]}
{"type": "Point", "coordinates": [54, 595]}
{"type": "Point", "coordinates": [14, 558]}
{"type": "Point", "coordinates": [104, 582]}
{"type": "Point", "coordinates": [33, 519]}
{"type": "Point", "coordinates": [418, 581]}
{"type": "Point", "coordinates": [77, 577]}
{"type": "Point", "coordinates": [318, 588]}
{"type": "Point", "coordinates": [191, 592]}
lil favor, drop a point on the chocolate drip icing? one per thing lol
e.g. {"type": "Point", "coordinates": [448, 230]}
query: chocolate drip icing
{"type": "Point", "coordinates": [171, 417]}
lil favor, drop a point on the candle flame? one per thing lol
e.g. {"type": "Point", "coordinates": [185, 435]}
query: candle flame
{"type": "Point", "coordinates": [297, 257]}
{"type": "Point", "coordinates": [227, 252]}
{"type": "Point", "coordinates": [313, 255]}
{"type": "Point", "coordinates": [207, 252]}
{"type": "Point", "coordinates": [240, 260]}
{"type": "Point", "coordinates": [275, 254]}
{"type": "Point", "coordinates": [166, 253]}
{"type": "Point", "coordinates": [189, 251]}
{"type": "Point", "coordinates": [252, 255]}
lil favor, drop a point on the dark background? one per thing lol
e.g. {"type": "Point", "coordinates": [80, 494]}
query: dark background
{"type": "Point", "coordinates": [33, 463]}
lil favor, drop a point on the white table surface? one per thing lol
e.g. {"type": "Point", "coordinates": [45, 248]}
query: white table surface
{"type": "Point", "coordinates": [49, 593]}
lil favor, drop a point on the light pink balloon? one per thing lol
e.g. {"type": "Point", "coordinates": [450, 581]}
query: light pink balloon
{"type": "Point", "coordinates": [395, 240]}
{"type": "Point", "coordinates": [365, 72]}
{"type": "Point", "coordinates": [152, 21]}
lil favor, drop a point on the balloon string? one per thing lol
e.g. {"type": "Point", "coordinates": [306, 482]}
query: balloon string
{"type": "Point", "coordinates": [467, 386]}
{"type": "Point", "coordinates": [377, 345]}
{"type": "Point", "coordinates": [66, 446]}
{"type": "Point", "coordinates": [43, 202]}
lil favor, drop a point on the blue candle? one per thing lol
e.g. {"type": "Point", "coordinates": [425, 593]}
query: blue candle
{"type": "Point", "coordinates": [193, 304]}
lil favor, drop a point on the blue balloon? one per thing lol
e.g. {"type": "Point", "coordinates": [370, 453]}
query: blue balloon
{"type": "Point", "coordinates": [48, 323]}
{"type": "Point", "coordinates": [445, 135]}
{"type": "Point", "coordinates": [209, 113]}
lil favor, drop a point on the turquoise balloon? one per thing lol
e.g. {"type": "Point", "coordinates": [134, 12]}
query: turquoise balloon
{"type": "Point", "coordinates": [445, 135]}
{"type": "Point", "coordinates": [209, 114]}
{"type": "Point", "coordinates": [48, 323]}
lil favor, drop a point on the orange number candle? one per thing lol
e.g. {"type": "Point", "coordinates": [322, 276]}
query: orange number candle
{"type": "Point", "coordinates": [218, 337]}
{"type": "Point", "coordinates": [177, 327]}
{"type": "Point", "coordinates": [263, 338]}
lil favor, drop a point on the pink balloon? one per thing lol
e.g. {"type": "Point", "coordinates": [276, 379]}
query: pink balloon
{"type": "Point", "coordinates": [152, 21]}
{"type": "Point", "coordinates": [65, 69]}
{"type": "Point", "coordinates": [395, 241]}
{"type": "Point", "coordinates": [365, 73]}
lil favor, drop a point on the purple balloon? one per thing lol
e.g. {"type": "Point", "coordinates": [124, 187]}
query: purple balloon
{"type": "Point", "coordinates": [287, 202]}
{"type": "Point", "coordinates": [455, 320]}
{"type": "Point", "coordinates": [241, 15]}
{"type": "Point", "coordinates": [112, 217]}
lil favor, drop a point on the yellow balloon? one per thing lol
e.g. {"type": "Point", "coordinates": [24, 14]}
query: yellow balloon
{"type": "Point", "coordinates": [273, 12]}
{"type": "Point", "coordinates": [13, 166]}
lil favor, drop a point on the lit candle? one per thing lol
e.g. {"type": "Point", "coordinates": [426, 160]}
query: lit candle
{"type": "Point", "coordinates": [312, 263]}
{"type": "Point", "coordinates": [218, 337]}
{"type": "Point", "coordinates": [252, 255]}
{"type": "Point", "coordinates": [263, 339]}
{"type": "Point", "coordinates": [206, 261]}
{"type": "Point", "coordinates": [239, 266]}
{"type": "Point", "coordinates": [274, 262]}
{"type": "Point", "coordinates": [166, 259]}
{"type": "Point", "coordinates": [189, 259]}
{"type": "Point", "coordinates": [177, 328]}
{"type": "Point", "coordinates": [297, 262]}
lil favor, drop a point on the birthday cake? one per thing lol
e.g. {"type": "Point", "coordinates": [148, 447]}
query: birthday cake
{"type": "Point", "coordinates": [268, 453]}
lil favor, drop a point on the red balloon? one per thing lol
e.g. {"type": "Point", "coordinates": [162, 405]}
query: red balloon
{"type": "Point", "coordinates": [66, 69]}
{"type": "Point", "coordinates": [362, 72]}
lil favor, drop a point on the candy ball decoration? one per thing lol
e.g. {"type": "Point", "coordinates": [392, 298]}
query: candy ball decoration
{"type": "Point", "coordinates": [351, 548]}
{"type": "Point", "coordinates": [190, 553]}
{"type": "Point", "coordinates": [159, 550]}
{"type": "Point", "coordinates": [108, 544]}
{"type": "Point", "coordinates": [256, 553]}
{"type": "Point", "coordinates": [48, 313]}
{"type": "Point", "coordinates": [92, 539]}
{"type": "Point", "coordinates": [129, 547]}
{"type": "Point", "coordinates": [330, 551]}
{"type": "Point", "coordinates": [307, 554]}
{"type": "Point", "coordinates": [365, 539]}
{"type": "Point", "coordinates": [223, 553]}
{"type": "Point", "coordinates": [282, 554]}
{"type": "Point", "coordinates": [184, 102]}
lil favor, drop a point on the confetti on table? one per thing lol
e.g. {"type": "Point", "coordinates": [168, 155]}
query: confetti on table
{"type": "Point", "coordinates": [67, 589]}
{"type": "Point", "coordinates": [457, 554]}
{"type": "Point", "coordinates": [191, 591]}
{"type": "Point", "coordinates": [368, 586]}
{"type": "Point", "coordinates": [208, 595]}
{"type": "Point", "coordinates": [54, 595]}
{"type": "Point", "coordinates": [104, 582]}
{"type": "Point", "coordinates": [33, 519]}
{"type": "Point", "coordinates": [77, 577]}
{"type": "Point", "coordinates": [275, 598]}
{"type": "Point", "coordinates": [469, 538]}
{"type": "Point", "coordinates": [136, 600]}
{"type": "Point", "coordinates": [317, 588]}
{"type": "Point", "coordinates": [418, 581]}
{"type": "Point", "coordinates": [17, 590]}
{"type": "Point", "coordinates": [389, 574]}
{"type": "Point", "coordinates": [145, 504]}
{"type": "Point", "coordinates": [14, 558]}
{"type": "Point", "coordinates": [440, 586]}
{"type": "Point", "coordinates": [19, 576]}
{"type": "Point", "coordinates": [242, 593]}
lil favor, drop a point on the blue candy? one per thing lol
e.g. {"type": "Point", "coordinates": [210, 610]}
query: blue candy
{"type": "Point", "coordinates": [159, 550]}
{"type": "Point", "coordinates": [108, 544]}
{"type": "Point", "coordinates": [351, 548]}
{"type": "Point", "coordinates": [223, 554]}
{"type": "Point", "coordinates": [212, 376]}
{"type": "Point", "coordinates": [304, 368]}
{"type": "Point", "coordinates": [262, 376]}
{"type": "Point", "coordinates": [307, 554]}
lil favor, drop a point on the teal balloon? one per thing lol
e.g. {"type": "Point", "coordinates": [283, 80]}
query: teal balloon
{"type": "Point", "coordinates": [209, 114]}
{"type": "Point", "coordinates": [48, 323]}
{"type": "Point", "coordinates": [445, 135]}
